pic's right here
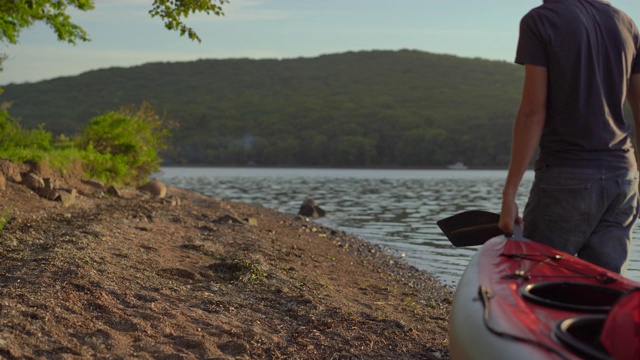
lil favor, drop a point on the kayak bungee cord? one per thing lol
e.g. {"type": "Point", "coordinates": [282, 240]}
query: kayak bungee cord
{"type": "Point", "coordinates": [485, 296]}
{"type": "Point", "coordinates": [552, 260]}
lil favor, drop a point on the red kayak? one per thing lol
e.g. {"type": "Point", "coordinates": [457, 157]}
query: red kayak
{"type": "Point", "coordinates": [519, 299]}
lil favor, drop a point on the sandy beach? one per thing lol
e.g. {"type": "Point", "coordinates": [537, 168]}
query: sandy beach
{"type": "Point", "coordinates": [192, 277]}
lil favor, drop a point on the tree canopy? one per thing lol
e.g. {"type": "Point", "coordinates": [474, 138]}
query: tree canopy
{"type": "Point", "coordinates": [172, 12]}
{"type": "Point", "coordinates": [20, 14]}
{"type": "Point", "coordinates": [17, 15]}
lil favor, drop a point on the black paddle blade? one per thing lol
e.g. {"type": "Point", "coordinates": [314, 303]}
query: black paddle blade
{"type": "Point", "coordinates": [470, 228]}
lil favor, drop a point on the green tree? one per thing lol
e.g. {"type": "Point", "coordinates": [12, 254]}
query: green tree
{"type": "Point", "coordinates": [355, 151]}
{"type": "Point", "coordinates": [172, 12]}
{"type": "Point", "coordinates": [19, 14]}
{"type": "Point", "coordinates": [16, 15]}
{"type": "Point", "coordinates": [329, 104]}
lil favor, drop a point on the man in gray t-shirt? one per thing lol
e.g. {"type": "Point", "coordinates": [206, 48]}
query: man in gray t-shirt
{"type": "Point", "coordinates": [581, 63]}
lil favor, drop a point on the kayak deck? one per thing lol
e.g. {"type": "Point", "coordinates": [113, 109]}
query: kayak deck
{"type": "Point", "coordinates": [525, 300]}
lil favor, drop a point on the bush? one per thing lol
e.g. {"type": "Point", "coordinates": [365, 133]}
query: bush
{"type": "Point", "coordinates": [12, 135]}
{"type": "Point", "coordinates": [21, 145]}
{"type": "Point", "coordinates": [121, 147]}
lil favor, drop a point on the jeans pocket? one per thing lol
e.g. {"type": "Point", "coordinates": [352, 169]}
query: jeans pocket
{"type": "Point", "coordinates": [565, 201]}
{"type": "Point", "coordinates": [565, 214]}
{"type": "Point", "coordinates": [626, 203]}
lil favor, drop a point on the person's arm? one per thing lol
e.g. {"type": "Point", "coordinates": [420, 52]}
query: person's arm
{"type": "Point", "coordinates": [633, 98]}
{"type": "Point", "coordinates": [527, 131]}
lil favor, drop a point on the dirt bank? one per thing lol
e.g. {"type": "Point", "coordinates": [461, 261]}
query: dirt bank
{"type": "Point", "coordinates": [138, 277]}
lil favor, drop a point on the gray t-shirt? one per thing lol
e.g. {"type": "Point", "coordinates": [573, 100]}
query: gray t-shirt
{"type": "Point", "coordinates": [589, 49]}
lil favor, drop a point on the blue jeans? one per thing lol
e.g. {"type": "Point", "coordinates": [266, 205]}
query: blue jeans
{"type": "Point", "coordinates": [585, 212]}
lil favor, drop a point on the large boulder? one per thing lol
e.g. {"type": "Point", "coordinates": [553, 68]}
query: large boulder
{"type": "Point", "coordinates": [155, 187]}
{"type": "Point", "coordinates": [33, 181]}
{"type": "Point", "coordinates": [96, 184]}
{"type": "Point", "coordinates": [50, 189]}
{"type": "Point", "coordinates": [67, 197]}
{"type": "Point", "coordinates": [10, 170]}
{"type": "Point", "coordinates": [113, 191]}
{"type": "Point", "coordinates": [309, 208]}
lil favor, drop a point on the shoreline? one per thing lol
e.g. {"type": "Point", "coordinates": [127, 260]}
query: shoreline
{"type": "Point", "coordinates": [317, 167]}
{"type": "Point", "coordinates": [194, 277]}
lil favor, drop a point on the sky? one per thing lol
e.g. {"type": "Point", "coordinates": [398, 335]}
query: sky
{"type": "Point", "coordinates": [123, 34]}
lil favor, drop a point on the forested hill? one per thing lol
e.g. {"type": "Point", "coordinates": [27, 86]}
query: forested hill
{"type": "Point", "coordinates": [375, 108]}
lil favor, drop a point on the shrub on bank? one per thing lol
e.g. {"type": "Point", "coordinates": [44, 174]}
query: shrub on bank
{"type": "Point", "coordinates": [122, 146]}
{"type": "Point", "coordinates": [119, 147]}
{"type": "Point", "coordinates": [18, 141]}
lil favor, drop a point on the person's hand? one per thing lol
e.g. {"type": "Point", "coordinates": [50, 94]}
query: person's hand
{"type": "Point", "coordinates": [509, 216]}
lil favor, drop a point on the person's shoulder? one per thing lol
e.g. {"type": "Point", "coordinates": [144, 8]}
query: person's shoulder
{"type": "Point", "coordinates": [624, 20]}
{"type": "Point", "coordinates": [547, 9]}
{"type": "Point", "coordinates": [554, 11]}
{"type": "Point", "coordinates": [622, 15]}
{"type": "Point", "coordinates": [538, 14]}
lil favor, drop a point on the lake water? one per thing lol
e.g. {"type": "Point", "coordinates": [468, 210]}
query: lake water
{"type": "Point", "coordinates": [397, 209]}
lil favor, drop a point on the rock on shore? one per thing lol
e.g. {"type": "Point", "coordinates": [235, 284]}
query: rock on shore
{"type": "Point", "coordinates": [136, 276]}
